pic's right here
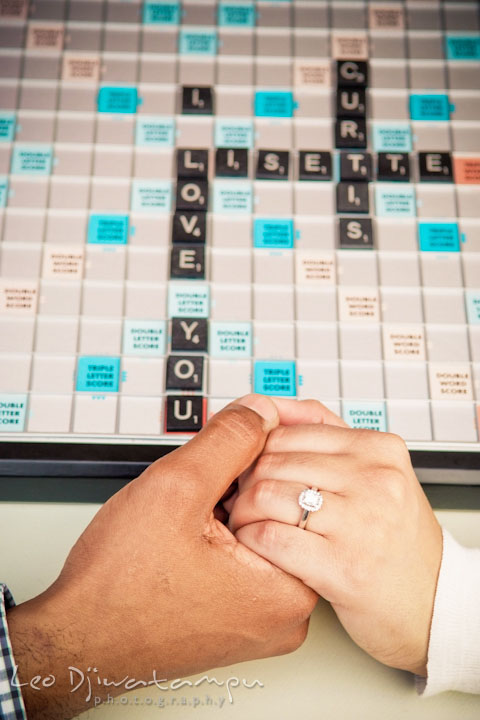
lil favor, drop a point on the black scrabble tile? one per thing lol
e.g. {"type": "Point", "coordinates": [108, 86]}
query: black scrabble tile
{"type": "Point", "coordinates": [184, 372]}
{"type": "Point", "coordinates": [187, 261]}
{"type": "Point", "coordinates": [351, 133]}
{"type": "Point", "coordinates": [352, 197]}
{"type": "Point", "coordinates": [192, 194]}
{"type": "Point", "coordinates": [435, 167]}
{"type": "Point", "coordinates": [352, 73]}
{"type": "Point", "coordinates": [189, 226]}
{"type": "Point", "coordinates": [192, 163]}
{"type": "Point", "coordinates": [356, 234]}
{"type": "Point", "coordinates": [231, 162]}
{"type": "Point", "coordinates": [189, 334]}
{"type": "Point", "coordinates": [184, 413]}
{"type": "Point", "coordinates": [393, 167]}
{"type": "Point", "coordinates": [197, 100]}
{"type": "Point", "coordinates": [351, 102]}
{"type": "Point", "coordinates": [356, 166]}
{"type": "Point", "coordinates": [314, 165]}
{"type": "Point", "coordinates": [272, 165]}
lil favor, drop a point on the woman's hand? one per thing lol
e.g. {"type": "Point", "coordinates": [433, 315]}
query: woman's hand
{"type": "Point", "coordinates": [374, 548]}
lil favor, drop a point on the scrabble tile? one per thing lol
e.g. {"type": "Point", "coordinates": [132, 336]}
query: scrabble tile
{"type": "Point", "coordinates": [192, 195]}
{"type": "Point", "coordinates": [351, 102]}
{"type": "Point", "coordinates": [355, 167]}
{"type": "Point", "coordinates": [352, 197]}
{"type": "Point", "coordinates": [352, 74]}
{"type": "Point", "coordinates": [189, 227]}
{"type": "Point", "coordinates": [231, 162]}
{"type": "Point", "coordinates": [184, 414]}
{"type": "Point", "coordinates": [192, 163]}
{"type": "Point", "coordinates": [393, 167]}
{"type": "Point", "coordinates": [351, 133]}
{"type": "Point", "coordinates": [272, 165]}
{"type": "Point", "coordinates": [314, 165]}
{"type": "Point", "coordinates": [185, 373]}
{"type": "Point", "coordinates": [356, 233]}
{"type": "Point", "coordinates": [189, 334]}
{"type": "Point", "coordinates": [435, 167]}
{"type": "Point", "coordinates": [187, 262]}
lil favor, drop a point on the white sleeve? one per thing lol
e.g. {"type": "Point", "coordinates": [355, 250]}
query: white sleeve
{"type": "Point", "coordinates": [454, 648]}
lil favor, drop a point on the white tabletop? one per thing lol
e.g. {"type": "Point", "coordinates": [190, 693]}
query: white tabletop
{"type": "Point", "coordinates": [327, 678]}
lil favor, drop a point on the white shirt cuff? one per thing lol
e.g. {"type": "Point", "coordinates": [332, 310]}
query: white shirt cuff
{"type": "Point", "coordinates": [454, 648]}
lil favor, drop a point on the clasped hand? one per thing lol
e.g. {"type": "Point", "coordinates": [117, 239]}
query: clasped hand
{"type": "Point", "coordinates": [158, 582]}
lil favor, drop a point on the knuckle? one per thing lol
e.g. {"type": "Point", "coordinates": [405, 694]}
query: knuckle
{"type": "Point", "coordinates": [295, 638]}
{"type": "Point", "coordinates": [264, 466]}
{"type": "Point", "coordinates": [267, 534]}
{"type": "Point", "coordinates": [263, 493]}
{"type": "Point", "coordinates": [238, 424]}
{"type": "Point", "coordinates": [396, 445]}
{"type": "Point", "coordinates": [276, 437]}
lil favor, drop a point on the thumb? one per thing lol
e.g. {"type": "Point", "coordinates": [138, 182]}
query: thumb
{"type": "Point", "coordinates": [226, 446]}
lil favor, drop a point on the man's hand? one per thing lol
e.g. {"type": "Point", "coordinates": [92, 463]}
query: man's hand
{"type": "Point", "coordinates": [374, 548]}
{"type": "Point", "coordinates": [156, 582]}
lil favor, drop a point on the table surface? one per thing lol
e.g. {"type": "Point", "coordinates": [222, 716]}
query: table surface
{"type": "Point", "coordinates": [327, 677]}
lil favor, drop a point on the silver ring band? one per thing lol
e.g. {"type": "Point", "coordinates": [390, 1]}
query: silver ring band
{"type": "Point", "coordinates": [310, 500]}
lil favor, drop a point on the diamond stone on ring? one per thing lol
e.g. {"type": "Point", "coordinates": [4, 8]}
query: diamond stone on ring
{"type": "Point", "coordinates": [310, 500]}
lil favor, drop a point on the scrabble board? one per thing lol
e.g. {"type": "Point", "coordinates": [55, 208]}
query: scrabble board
{"type": "Point", "coordinates": [203, 199]}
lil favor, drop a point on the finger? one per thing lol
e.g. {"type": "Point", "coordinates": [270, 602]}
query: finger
{"type": "Point", "coordinates": [334, 473]}
{"type": "Point", "coordinates": [273, 500]}
{"type": "Point", "coordinates": [311, 438]}
{"type": "Point", "coordinates": [305, 555]}
{"type": "Point", "coordinates": [294, 412]}
{"type": "Point", "coordinates": [226, 446]}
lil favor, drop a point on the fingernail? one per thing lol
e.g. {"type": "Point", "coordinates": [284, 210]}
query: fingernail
{"type": "Point", "coordinates": [262, 405]}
